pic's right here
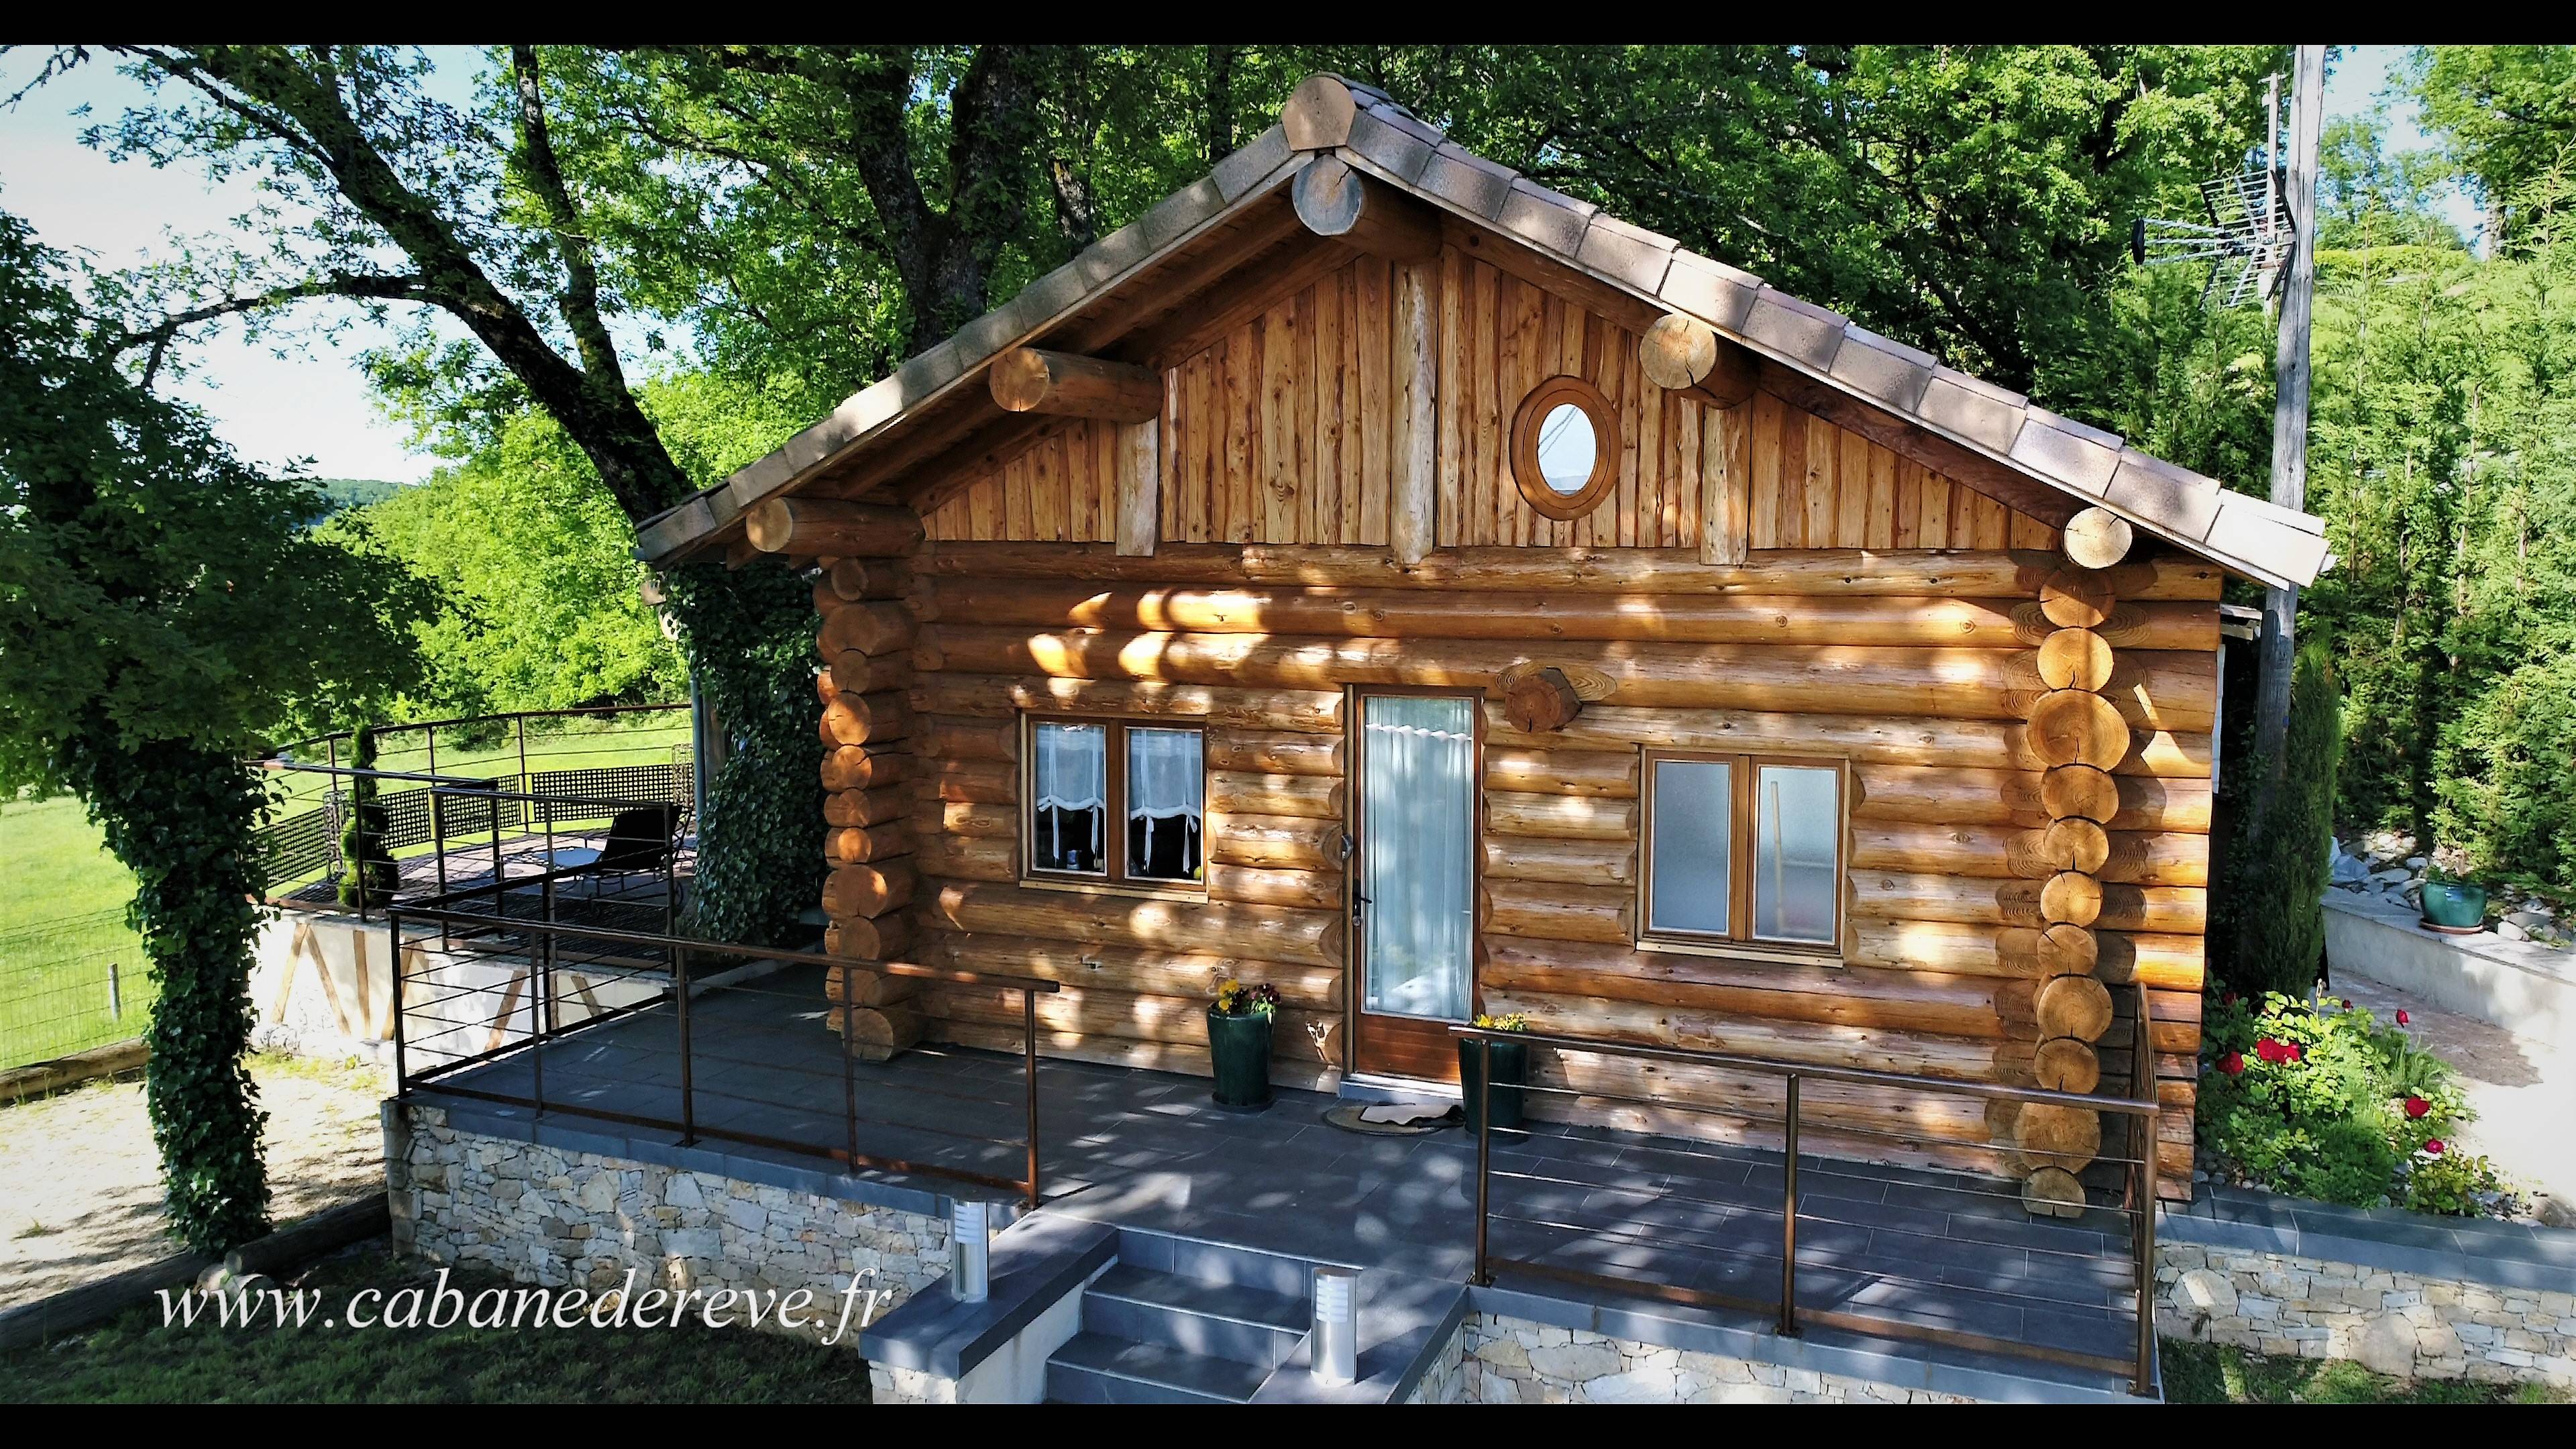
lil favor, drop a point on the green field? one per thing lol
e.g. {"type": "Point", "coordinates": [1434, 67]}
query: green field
{"type": "Point", "coordinates": [62, 914]}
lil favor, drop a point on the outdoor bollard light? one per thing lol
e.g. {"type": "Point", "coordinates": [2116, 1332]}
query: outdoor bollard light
{"type": "Point", "coordinates": [969, 1234]}
{"type": "Point", "coordinates": [1337, 1325]}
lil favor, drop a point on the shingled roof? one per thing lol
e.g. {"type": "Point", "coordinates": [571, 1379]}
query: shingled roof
{"type": "Point", "coordinates": [1364, 127]}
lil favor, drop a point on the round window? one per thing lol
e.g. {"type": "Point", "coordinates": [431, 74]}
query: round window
{"type": "Point", "coordinates": [1563, 446]}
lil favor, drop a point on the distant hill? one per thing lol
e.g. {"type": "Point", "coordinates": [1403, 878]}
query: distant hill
{"type": "Point", "coordinates": [357, 492]}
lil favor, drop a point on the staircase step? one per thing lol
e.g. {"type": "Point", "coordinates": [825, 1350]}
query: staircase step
{"type": "Point", "coordinates": [1221, 1320]}
{"type": "Point", "coordinates": [1099, 1368]}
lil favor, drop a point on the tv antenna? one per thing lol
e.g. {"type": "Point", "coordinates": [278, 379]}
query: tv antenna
{"type": "Point", "coordinates": [2246, 241]}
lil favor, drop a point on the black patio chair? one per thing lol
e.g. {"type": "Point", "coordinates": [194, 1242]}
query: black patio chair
{"type": "Point", "coordinates": [640, 840]}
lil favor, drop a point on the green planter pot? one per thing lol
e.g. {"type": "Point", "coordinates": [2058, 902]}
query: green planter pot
{"type": "Point", "coordinates": [1241, 1047]}
{"type": "Point", "coordinates": [2455, 905]}
{"type": "Point", "coordinates": [1511, 1071]}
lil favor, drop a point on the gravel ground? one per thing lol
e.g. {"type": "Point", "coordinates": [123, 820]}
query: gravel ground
{"type": "Point", "coordinates": [2523, 1089]}
{"type": "Point", "coordinates": [80, 1182]}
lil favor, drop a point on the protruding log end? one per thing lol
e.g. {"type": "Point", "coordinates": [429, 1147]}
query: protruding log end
{"type": "Point", "coordinates": [2078, 727]}
{"type": "Point", "coordinates": [1319, 112]}
{"type": "Point", "coordinates": [1064, 384]}
{"type": "Point", "coordinates": [2052, 1192]}
{"type": "Point", "coordinates": [2075, 659]}
{"type": "Point", "coordinates": [2063, 1064]}
{"type": "Point", "coordinates": [1338, 203]}
{"type": "Point", "coordinates": [1680, 353]}
{"type": "Point", "coordinates": [2096, 538]}
{"type": "Point", "coordinates": [828, 528]}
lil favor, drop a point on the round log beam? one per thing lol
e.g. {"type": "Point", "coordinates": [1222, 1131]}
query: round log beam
{"type": "Point", "coordinates": [831, 528]}
{"type": "Point", "coordinates": [2079, 792]}
{"type": "Point", "coordinates": [2075, 659]}
{"type": "Point", "coordinates": [2052, 1192]}
{"type": "Point", "coordinates": [2096, 538]}
{"type": "Point", "coordinates": [2078, 727]}
{"type": "Point", "coordinates": [1342, 205]}
{"type": "Point", "coordinates": [2063, 1064]}
{"type": "Point", "coordinates": [2077, 599]}
{"type": "Point", "coordinates": [2071, 898]}
{"type": "Point", "coordinates": [2076, 1007]}
{"type": "Point", "coordinates": [1064, 384]}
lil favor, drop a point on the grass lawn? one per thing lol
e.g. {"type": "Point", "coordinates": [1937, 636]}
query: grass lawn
{"type": "Point", "coordinates": [2208, 1373]}
{"type": "Point", "coordinates": [136, 1360]}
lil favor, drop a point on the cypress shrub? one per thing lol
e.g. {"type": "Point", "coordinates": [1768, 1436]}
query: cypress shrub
{"type": "Point", "coordinates": [2281, 865]}
{"type": "Point", "coordinates": [362, 831]}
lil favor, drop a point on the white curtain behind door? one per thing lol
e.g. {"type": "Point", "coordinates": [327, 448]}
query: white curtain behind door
{"type": "Point", "coordinates": [1419, 803]}
{"type": "Point", "coordinates": [1166, 787]}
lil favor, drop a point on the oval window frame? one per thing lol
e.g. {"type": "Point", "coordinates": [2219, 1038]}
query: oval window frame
{"type": "Point", "coordinates": [1526, 474]}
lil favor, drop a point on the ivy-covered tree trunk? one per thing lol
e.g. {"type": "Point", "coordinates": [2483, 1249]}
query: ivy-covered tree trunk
{"type": "Point", "coordinates": [748, 635]}
{"type": "Point", "coordinates": [185, 820]}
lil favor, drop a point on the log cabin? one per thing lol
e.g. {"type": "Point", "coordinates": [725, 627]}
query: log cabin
{"type": "Point", "coordinates": [1375, 574]}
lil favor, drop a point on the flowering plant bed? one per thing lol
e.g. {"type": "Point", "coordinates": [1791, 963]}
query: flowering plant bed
{"type": "Point", "coordinates": [2318, 1099]}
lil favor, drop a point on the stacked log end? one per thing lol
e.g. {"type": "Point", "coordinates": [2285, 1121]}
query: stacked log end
{"type": "Point", "coordinates": [2081, 737]}
{"type": "Point", "coordinates": [865, 639]}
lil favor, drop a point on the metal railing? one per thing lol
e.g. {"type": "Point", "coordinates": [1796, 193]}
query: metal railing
{"type": "Point", "coordinates": [701, 1039]}
{"type": "Point", "coordinates": [2135, 1204]}
{"type": "Point", "coordinates": [523, 785]}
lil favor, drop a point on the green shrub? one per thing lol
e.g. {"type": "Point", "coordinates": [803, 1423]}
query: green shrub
{"type": "Point", "coordinates": [2322, 1101]}
{"type": "Point", "coordinates": [2281, 869]}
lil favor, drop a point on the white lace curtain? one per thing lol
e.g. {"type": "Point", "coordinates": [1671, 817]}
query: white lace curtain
{"type": "Point", "coordinates": [1166, 780]}
{"type": "Point", "coordinates": [1073, 775]}
{"type": "Point", "coordinates": [1419, 780]}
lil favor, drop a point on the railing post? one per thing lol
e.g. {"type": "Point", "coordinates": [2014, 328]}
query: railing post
{"type": "Point", "coordinates": [1789, 1218]}
{"type": "Point", "coordinates": [1029, 1069]}
{"type": "Point", "coordinates": [1484, 1152]}
{"type": "Point", "coordinates": [393, 938]}
{"type": "Point", "coordinates": [540, 1017]}
{"type": "Point", "coordinates": [2142, 1235]}
{"type": "Point", "coordinates": [437, 826]}
{"type": "Point", "coordinates": [849, 1077]}
{"type": "Point", "coordinates": [688, 1087]}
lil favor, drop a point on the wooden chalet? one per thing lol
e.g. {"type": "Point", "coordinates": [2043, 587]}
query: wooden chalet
{"type": "Point", "coordinates": [1375, 574]}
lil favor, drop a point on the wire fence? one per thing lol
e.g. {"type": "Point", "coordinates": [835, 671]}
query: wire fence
{"type": "Point", "coordinates": [70, 984]}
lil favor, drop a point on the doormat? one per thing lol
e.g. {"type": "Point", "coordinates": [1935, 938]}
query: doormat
{"type": "Point", "coordinates": [1404, 1119]}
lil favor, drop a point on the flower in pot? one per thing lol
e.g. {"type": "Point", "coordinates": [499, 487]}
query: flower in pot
{"type": "Point", "coordinates": [1238, 1024]}
{"type": "Point", "coordinates": [2452, 902]}
{"type": "Point", "coordinates": [1510, 1062]}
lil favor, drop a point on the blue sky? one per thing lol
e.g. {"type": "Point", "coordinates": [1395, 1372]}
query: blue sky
{"type": "Point", "coordinates": [313, 403]}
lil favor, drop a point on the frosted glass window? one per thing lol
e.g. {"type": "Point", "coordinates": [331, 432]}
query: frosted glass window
{"type": "Point", "coordinates": [1694, 815]}
{"type": "Point", "coordinates": [1069, 821]}
{"type": "Point", "coordinates": [1797, 838]}
{"type": "Point", "coordinates": [1417, 864]}
{"type": "Point", "coordinates": [1166, 809]}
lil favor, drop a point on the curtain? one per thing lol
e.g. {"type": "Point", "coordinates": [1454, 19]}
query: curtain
{"type": "Point", "coordinates": [1166, 781]}
{"type": "Point", "coordinates": [1418, 795]}
{"type": "Point", "coordinates": [1797, 835]}
{"type": "Point", "coordinates": [1073, 776]}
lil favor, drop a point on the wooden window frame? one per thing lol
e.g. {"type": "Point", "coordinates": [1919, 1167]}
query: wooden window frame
{"type": "Point", "coordinates": [1113, 874]}
{"type": "Point", "coordinates": [1526, 474]}
{"type": "Point", "coordinates": [1742, 822]}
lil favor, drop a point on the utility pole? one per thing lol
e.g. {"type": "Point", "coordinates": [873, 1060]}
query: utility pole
{"type": "Point", "coordinates": [2290, 416]}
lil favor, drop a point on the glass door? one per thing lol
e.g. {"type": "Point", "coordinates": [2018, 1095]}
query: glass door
{"type": "Point", "coordinates": [1415, 892]}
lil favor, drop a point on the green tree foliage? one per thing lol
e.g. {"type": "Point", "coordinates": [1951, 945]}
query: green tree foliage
{"type": "Point", "coordinates": [163, 606]}
{"type": "Point", "coordinates": [2269, 932]}
{"type": "Point", "coordinates": [2503, 113]}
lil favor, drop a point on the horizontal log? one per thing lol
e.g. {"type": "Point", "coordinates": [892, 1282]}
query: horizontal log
{"type": "Point", "coordinates": [1943, 795]}
{"type": "Point", "coordinates": [859, 845]}
{"type": "Point", "coordinates": [858, 938]}
{"type": "Point", "coordinates": [950, 737]}
{"type": "Point", "coordinates": [1568, 862]}
{"type": "Point", "coordinates": [868, 890]}
{"type": "Point", "coordinates": [1192, 1061]}
{"type": "Point", "coordinates": [1560, 817]}
{"type": "Point", "coordinates": [2173, 691]}
{"type": "Point", "coordinates": [1315, 890]}
{"type": "Point", "coordinates": [875, 628]}
{"type": "Point", "coordinates": [1888, 1118]}
{"type": "Point", "coordinates": [1311, 1036]}
{"type": "Point", "coordinates": [1961, 1006]}
{"type": "Point", "coordinates": [1304, 711]}
{"type": "Point", "coordinates": [1900, 896]}
{"type": "Point", "coordinates": [1274, 752]}
{"type": "Point", "coordinates": [850, 986]}
{"type": "Point", "coordinates": [1560, 912]}
{"type": "Point", "coordinates": [1128, 968]}
{"type": "Point", "coordinates": [974, 821]}
{"type": "Point", "coordinates": [1562, 772]}
{"type": "Point", "coordinates": [1927, 573]}
{"type": "Point", "coordinates": [1811, 1043]}
{"type": "Point", "coordinates": [959, 857]}
{"type": "Point", "coordinates": [853, 579]}
{"type": "Point", "coordinates": [2117, 957]}
{"type": "Point", "coordinates": [856, 767]}
{"type": "Point", "coordinates": [1949, 743]}
{"type": "Point", "coordinates": [831, 528]}
{"type": "Point", "coordinates": [1267, 933]}
{"type": "Point", "coordinates": [876, 1034]}
{"type": "Point", "coordinates": [1274, 840]}
{"type": "Point", "coordinates": [1236, 792]}
{"type": "Point", "coordinates": [1417, 614]}
{"type": "Point", "coordinates": [2171, 858]}
{"type": "Point", "coordinates": [984, 782]}
{"type": "Point", "coordinates": [860, 719]}
{"type": "Point", "coordinates": [855, 673]}
{"type": "Point", "coordinates": [1062, 384]}
{"type": "Point", "coordinates": [866, 807]}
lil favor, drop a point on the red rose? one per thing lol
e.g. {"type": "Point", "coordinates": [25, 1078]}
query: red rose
{"type": "Point", "coordinates": [2233, 1064]}
{"type": "Point", "coordinates": [2402, 1017]}
{"type": "Point", "coordinates": [2271, 1051]}
{"type": "Point", "coordinates": [2228, 1000]}
{"type": "Point", "coordinates": [2433, 1146]}
{"type": "Point", "coordinates": [2293, 1052]}
{"type": "Point", "coordinates": [2416, 1107]}
{"type": "Point", "coordinates": [2347, 1003]}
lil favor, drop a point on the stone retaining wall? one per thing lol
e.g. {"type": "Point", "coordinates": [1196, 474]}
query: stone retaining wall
{"type": "Point", "coordinates": [563, 1218]}
{"type": "Point", "coordinates": [1515, 1361]}
{"type": "Point", "coordinates": [2395, 1323]}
